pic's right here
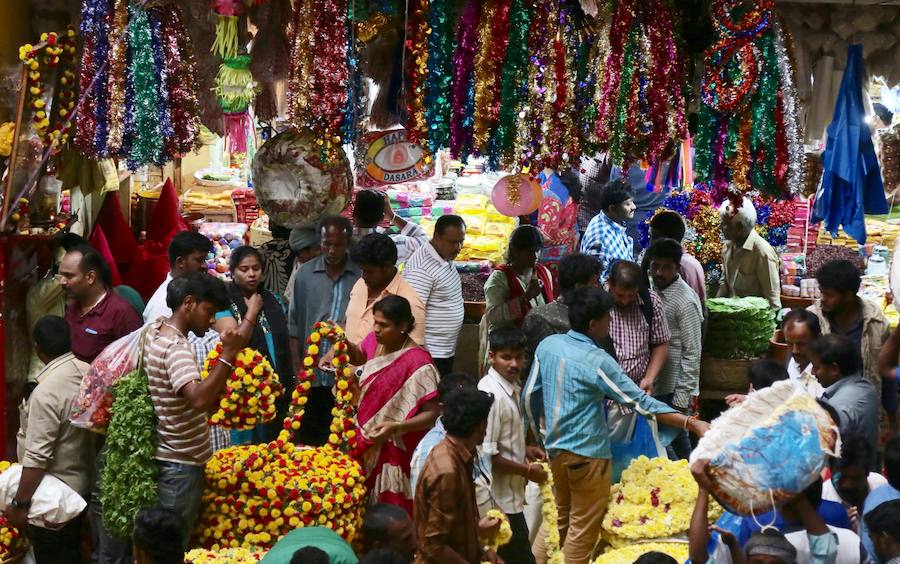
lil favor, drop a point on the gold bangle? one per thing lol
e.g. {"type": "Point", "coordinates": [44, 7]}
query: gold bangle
{"type": "Point", "coordinates": [687, 422]}
{"type": "Point", "coordinates": [226, 363]}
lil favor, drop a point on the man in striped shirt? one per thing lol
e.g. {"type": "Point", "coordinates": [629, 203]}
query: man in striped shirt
{"type": "Point", "coordinates": [679, 380]}
{"type": "Point", "coordinates": [181, 399]}
{"type": "Point", "coordinates": [431, 273]}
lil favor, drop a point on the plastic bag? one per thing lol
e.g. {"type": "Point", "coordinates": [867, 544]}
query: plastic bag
{"type": "Point", "coordinates": [95, 397]}
{"type": "Point", "coordinates": [53, 504]}
{"type": "Point", "coordinates": [643, 441]}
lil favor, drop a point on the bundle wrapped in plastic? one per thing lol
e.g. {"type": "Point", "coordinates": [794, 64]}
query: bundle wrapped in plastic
{"type": "Point", "coordinates": [765, 451]}
{"type": "Point", "coordinates": [742, 327]}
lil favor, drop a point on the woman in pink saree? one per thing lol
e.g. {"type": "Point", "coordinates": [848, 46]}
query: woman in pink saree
{"type": "Point", "coordinates": [397, 401]}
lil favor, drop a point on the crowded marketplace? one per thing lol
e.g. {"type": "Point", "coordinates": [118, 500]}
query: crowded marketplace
{"type": "Point", "coordinates": [449, 281]}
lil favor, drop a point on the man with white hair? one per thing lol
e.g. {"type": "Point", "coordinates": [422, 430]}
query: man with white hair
{"type": "Point", "coordinates": [751, 264]}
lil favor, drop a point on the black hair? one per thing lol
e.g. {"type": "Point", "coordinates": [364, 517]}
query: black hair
{"type": "Point", "coordinates": [526, 238]}
{"type": "Point", "coordinates": [655, 557]}
{"type": "Point", "coordinates": [279, 231]}
{"type": "Point", "coordinates": [839, 275]}
{"type": "Point", "coordinates": [575, 269]}
{"type": "Point", "coordinates": [446, 221]}
{"type": "Point", "coordinates": [239, 254]}
{"type": "Point", "coordinates": [587, 304]}
{"type": "Point", "coordinates": [805, 317]}
{"type": "Point", "coordinates": [51, 334]}
{"type": "Point", "coordinates": [507, 338]}
{"type": "Point", "coordinates": [892, 462]}
{"type": "Point", "coordinates": [855, 451]}
{"type": "Point", "coordinates": [384, 556]}
{"type": "Point", "coordinates": [625, 274]}
{"type": "Point", "coordinates": [764, 372]}
{"type": "Point", "coordinates": [342, 223]}
{"type": "Point", "coordinates": [310, 555]}
{"type": "Point", "coordinates": [615, 192]}
{"type": "Point", "coordinates": [839, 350]}
{"type": "Point", "coordinates": [91, 260]}
{"type": "Point", "coordinates": [813, 492]}
{"type": "Point", "coordinates": [375, 249]}
{"type": "Point", "coordinates": [665, 248]}
{"type": "Point", "coordinates": [69, 241]}
{"type": "Point", "coordinates": [156, 532]}
{"type": "Point", "coordinates": [454, 381]}
{"type": "Point", "coordinates": [186, 242]}
{"type": "Point", "coordinates": [378, 519]}
{"type": "Point", "coordinates": [464, 410]}
{"type": "Point", "coordinates": [883, 113]}
{"type": "Point", "coordinates": [397, 309]}
{"type": "Point", "coordinates": [368, 208]}
{"type": "Point", "coordinates": [669, 225]}
{"type": "Point", "coordinates": [571, 179]}
{"type": "Point", "coordinates": [200, 285]}
{"type": "Point", "coordinates": [885, 518]}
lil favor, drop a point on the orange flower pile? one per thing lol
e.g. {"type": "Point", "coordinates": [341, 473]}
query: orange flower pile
{"type": "Point", "coordinates": [250, 391]}
{"type": "Point", "coordinates": [11, 540]}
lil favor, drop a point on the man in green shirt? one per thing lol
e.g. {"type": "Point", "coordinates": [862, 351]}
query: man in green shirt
{"type": "Point", "coordinates": [323, 538]}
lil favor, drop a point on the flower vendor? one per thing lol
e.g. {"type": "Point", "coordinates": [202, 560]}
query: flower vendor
{"type": "Point", "coordinates": [605, 237]}
{"type": "Point", "coordinates": [322, 287]}
{"type": "Point", "coordinates": [50, 445]}
{"type": "Point", "coordinates": [180, 397]}
{"type": "Point", "coordinates": [259, 317]}
{"type": "Point", "coordinates": [511, 463]}
{"type": "Point", "coordinates": [577, 436]}
{"type": "Point", "coordinates": [446, 516]}
{"type": "Point", "coordinates": [751, 266]}
{"type": "Point", "coordinates": [397, 400]}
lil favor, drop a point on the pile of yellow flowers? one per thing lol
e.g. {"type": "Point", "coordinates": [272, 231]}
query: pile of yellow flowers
{"type": "Point", "coordinates": [655, 499]}
{"type": "Point", "coordinates": [11, 540]}
{"type": "Point", "coordinates": [250, 390]}
{"type": "Point", "coordinates": [550, 514]}
{"type": "Point", "coordinates": [628, 554]}
{"type": "Point", "coordinates": [255, 494]}
{"type": "Point", "coordinates": [6, 138]}
{"type": "Point", "coordinates": [343, 434]}
{"type": "Point", "coordinates": [224, 556]}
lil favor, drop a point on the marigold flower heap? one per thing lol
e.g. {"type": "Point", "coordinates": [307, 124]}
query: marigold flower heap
{"type": "Point", "coordinates": [258, 493]}
{"type": "Point", "coordinates": [654, 500]}
{"type": "Point", "coordinates": [677, 550]}
{"type": "Point", "coordinates": [250, 390]}
{"type": "Point", "coordinates": [11, 540]}
{"type": "Point", "coordinates": [224, 556]}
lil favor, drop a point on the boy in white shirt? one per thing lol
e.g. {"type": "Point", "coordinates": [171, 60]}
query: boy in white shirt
{"type": "Point", "coordinates": [504, 440]}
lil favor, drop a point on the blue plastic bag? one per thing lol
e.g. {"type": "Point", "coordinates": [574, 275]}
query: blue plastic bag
{"type": "Point", "coordinates": [642, 443]}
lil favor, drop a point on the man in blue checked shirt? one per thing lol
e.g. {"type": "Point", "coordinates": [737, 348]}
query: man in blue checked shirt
{"type": "Point", "coordinates": [605, 237]}
{"type": "Point", "coordinates": [570, 381]}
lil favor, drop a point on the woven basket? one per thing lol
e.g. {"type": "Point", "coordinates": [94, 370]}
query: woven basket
{"type": "Point", "coordinates": [720, 377]}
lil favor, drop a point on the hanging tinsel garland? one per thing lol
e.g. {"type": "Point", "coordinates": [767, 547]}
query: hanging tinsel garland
{"type": "Point", "coordinates": [145, 145]}
{"type": "Point", "coordinates": [462, 89]}
{"type": "Point", "coordinates": [440, 74]}
{"type": "Point", "coordinates": [416, 70]}
{"type": "Point", "coordinates": [493, 39]}
{"type": "Point", "coordinates": [181, 84]}
{"type": "Point", "coordinates": [512, 80]}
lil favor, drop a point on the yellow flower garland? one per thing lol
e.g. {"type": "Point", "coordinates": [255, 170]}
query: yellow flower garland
{"type": "Point", "coordinates": [504, 533]}
{"type": "Point", "coordinates": [6, 138]}
{"type": "Point", "coordinates": [551, 519]}
{"type": "Point", "coordinates": [250, 390]}
{"type": "Point", "coordinates": [50, 55]}
{"type": "Point", "coordinates": [628, 554]}
{"type": "Point", "coordinates": [226, 556]}
{"type": "Point", "coordinates": [11, 540]}
{"type": "Point", "coordinates": [654, 499]}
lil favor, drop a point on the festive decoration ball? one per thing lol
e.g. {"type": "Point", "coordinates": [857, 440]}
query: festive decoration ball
{"type": "Point", "coordinates": [294, 184]}
{"type": "Point", "coordinates": [516, 195]}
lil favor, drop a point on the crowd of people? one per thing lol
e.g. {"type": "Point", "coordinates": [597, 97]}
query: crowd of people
{"type": "Point", "coordinates": [566, 352]}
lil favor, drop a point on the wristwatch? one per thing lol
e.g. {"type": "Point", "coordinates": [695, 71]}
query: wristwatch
{"type": "Point", "coordinates": [16, 504]}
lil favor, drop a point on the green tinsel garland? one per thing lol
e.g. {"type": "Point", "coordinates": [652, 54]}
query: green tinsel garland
{"type": "Point", "coordinates": [513, 75]}
{"type": "Point", "coordinates": [147, 144]}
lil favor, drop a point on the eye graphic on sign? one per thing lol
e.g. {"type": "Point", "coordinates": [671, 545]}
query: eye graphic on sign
{"type": "Point", "coordinates": [390, 158]}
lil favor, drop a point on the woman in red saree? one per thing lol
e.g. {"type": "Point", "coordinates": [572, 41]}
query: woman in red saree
{"type": "Point", "coordinates": [397, 401]}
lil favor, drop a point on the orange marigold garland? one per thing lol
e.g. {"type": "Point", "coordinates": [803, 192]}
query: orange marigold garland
{"type": "Point", "coordinates": [250, 390]}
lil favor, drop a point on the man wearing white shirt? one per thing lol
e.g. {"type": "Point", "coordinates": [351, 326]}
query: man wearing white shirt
{"type": "Point", "coordinates": [187, 253]}
{"type": "Point", "coordinates": [801, 327]}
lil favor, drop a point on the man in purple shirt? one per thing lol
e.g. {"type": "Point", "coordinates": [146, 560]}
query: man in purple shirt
{"type": "Point", "coordinates": [96, 314]}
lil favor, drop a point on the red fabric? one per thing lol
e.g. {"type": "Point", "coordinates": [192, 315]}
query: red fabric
{"type": "Point", "coordinates": [99, 242]}
{"type": "Point", "coordinates": [119, 238]}
{"type": "Point", "coordinates": [149, 269]}
{"type": "Point", "coordinates": [548, 287]}
{"type": "Point", "coordinates": [166, 220]}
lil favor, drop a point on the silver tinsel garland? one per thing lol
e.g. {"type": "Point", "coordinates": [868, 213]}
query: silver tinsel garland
{"type": "Point", "coordinates": [790, 107]}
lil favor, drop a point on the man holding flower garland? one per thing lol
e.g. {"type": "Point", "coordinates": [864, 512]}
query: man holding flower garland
{"type": "Point", "coordinates": [574, 416]}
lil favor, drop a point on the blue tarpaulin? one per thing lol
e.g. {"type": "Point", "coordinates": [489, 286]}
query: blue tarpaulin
{"type": "Point", "coordinates": [851, 181]}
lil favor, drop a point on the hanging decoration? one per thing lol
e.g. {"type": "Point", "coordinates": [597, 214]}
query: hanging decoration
{"type": "Point", "coordinates": [493, 38]}
{"type": "Point", "coordinates": [463, 86]}
{"type": "Point", "coordinates": [235, 91]}
{"type": "Point", "coordinates": [749, 135]}
{"type": "Point", "coordinates": [416, 69]}
{"type": "Point", "coordinates": [512, 78]}
{"type": "Point", "coordinates": [137, 75]}
{"type": "Point", "coordinates": [51, 120]}
{"type": "Point", "coordinates": [227, 45]}
{"type": "Point", "coordinates": [440, 74]}
{"type": "Point", "coordinates": [642, 107]}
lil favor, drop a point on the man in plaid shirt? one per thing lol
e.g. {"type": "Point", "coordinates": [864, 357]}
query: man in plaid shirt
{"type": "Point", "coordinates": [605, 237]}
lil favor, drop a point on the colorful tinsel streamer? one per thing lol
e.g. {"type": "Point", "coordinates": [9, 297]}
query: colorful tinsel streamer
{"type": "Point", "coordinates": [461, 119]}
{"type": "Point", "coordinates": [145, 145]}
{"type": "Point", "coordinates": [512, 79]}
{"type": "Point", "coordinates": [416, 70]}
{"type": "Point", "coordinates": [181, 84]}
{"type": "Point", "coordinates": [641, 93]}
{"type": "Point", "coordinates": [493, 38]}
{"type": "Point", "coordinates": [440, 74]}
{"type": "Point", "coordinates": [93, 23]}
{"type": "Point", "coordinates": [115, 80]}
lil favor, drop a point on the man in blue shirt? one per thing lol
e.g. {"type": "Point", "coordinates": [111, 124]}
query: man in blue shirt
{"type": "Point", "coordinates": [570, 381]}
{"type": "Point", "coordinates": [605, 238]}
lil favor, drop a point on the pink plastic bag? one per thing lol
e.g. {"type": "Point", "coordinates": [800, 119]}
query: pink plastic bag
{"type": "Point", "coordinates": [95, 396]}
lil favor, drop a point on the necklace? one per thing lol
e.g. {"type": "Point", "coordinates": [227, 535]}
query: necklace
{"type": "Point", "coordinates": [173, 328]}
{"type": "Point", "coordinates": [100, 299]}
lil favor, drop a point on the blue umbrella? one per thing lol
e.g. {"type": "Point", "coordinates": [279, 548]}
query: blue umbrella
{"type": "Point", "coordinates": [851, 181]}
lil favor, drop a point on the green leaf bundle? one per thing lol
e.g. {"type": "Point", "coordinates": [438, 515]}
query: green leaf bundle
{"type": "Point", "coordinates": [738, 327]}
{"type": "Point", "coordinates": [129, 475]}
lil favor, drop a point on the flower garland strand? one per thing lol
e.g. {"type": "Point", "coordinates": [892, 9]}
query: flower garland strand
{"type": "Point", "coordinates": [57, 52]}
{"type": "Point", "coordinates": [551, 519]}
{"type": "Point", "coordinates": [504, 532]}
{"type": "Point", "coordinates": [250, 390]}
